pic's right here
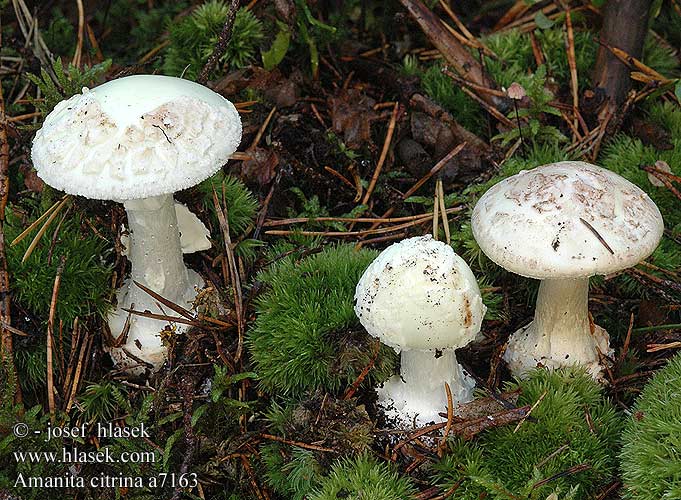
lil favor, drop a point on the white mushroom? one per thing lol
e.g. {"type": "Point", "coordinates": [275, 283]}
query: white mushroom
{"type": "Point", "coordinates": [137, 140]}
{"type": "Point", "coordinates": [562, 223]}
{"type": "Point", "coordinates": [421, 299]}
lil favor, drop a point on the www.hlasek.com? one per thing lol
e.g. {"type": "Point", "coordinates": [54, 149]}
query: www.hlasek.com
{"type": "Point", "coordinates": [79, 454]}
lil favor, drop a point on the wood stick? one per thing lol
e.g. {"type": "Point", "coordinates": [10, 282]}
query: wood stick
{"type": "Point", "coordinates": [384, 154]}
{"type": "Point", "coordinates": [50, 334]}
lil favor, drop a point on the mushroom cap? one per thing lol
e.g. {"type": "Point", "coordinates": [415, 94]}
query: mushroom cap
{"type": "Point", "coordinates": [419, 294]}
{"type": "Point", "coordinates": [136, 137]}
{"type": "Point", "coordinates": [545, 223]}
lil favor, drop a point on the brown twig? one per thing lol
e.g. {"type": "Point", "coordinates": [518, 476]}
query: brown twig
{"type": "Point", "coordinates": [541, 398]}
{"type": "Point", "coordinates": [662, 347]}
{"type": "Point", "coordinates": [456, 54]}
{"type": "Point", "coordinates": [372, 220]}
{"type": "Point", "coordinates": [436, 168]}
{"type": "Point", "coordinates": [6, 352]}
{"type": "Point", "coordinates": [384, 154]}
{"type": "Point", "coordinates": [355, 385]}
{"type": "Point", "coordinates": [664, 179]}
{"type": "Point", "coordinates": [340, 176]}
{"type": "Point", "coordinates": [298, 444]}
{"type": "Point", "coordinates": [221, 45]}
{"type": "Point", "coordinates": [627, 340]}
{"type": "Point", "coordinates": [572, 470]}
{"type": "Point", "coordinates": [598, 236]}
{"type": "Point", "coordinates": [469, 36]}
{"type": "Point", "coordinates": [43, 229]}
{"type": "Point", "coordinates": [473, 85]}
{"type": "Point", "coordinates": [443, 210]}
{"type": "Point", "coordinates": [364, 232]}
{"type": "Point", "coordinates": [450, 420]}
{"type": "Point", "coordinates": [262, 129]}
{"type": "Point", "coordinates": [234, 271]}
{"type": "Point", "coordinates": [79, 369]}
{"type": "Point", "coordinates": [436, 213]}
{"type": "Point", "coordinates": [572, 64]}
{"type": "Point", "coordinates": [50, 335]}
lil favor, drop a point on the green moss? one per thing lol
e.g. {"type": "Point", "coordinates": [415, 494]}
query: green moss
{"type": "Point", "coordinates": [625, 155]}
{"type": "Point", "coordinates": [60, 35]}
{"type": "Point", "coordinates": [514, 56]}
{"type": "Point", "coordinates": [241, 207]}
{"type": "Point", "coordinates": [449, 95]}
{"type": "Point", "coordinates": [504, 463]}
{"type": "Point", "coordinates": [306, 335]}
{"type": "Point", "coordinates": [134, 28]}
{"type": "Point", "coordinates": [660, 57]}
{"type": "Point", "coordinates": [86, 277]}
{"type": "Point", "coordinates": [70, 81]}
{"type": "Point", "coordinates": [294, 476]}
{"type": "Point", "coordinates": [363, 478]}
{"type": "Point", "coordinates": [193, 40]}
{"type": "Point", "coordinates": [241, 204]}
{"type": "Point", "coordinates": [552, 42]}
{"type": "Point", "coordinates": [651, 452]}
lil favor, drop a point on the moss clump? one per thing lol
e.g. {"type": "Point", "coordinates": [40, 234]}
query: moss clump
{"type": "Point", "coordinates": [514, 49]}
{"type": "Point", "coordinates": [573, 425]}
{"type": "Point", "coordinates": [241, 203]}
{"type": "Point", "coordinates": [363, 478]}
{"type": "Point", "coordinates": [193, 40]}
{"type": "Point", "coordinates": [441, 89]}
{"type": "Point", "coordinates": [291, 474]}
{"type": "Point", "coordinates": [241, 207]}
{"type": "Point", "coordinates": [626, 155]}
{"type": "Point", "coordinates": [86, 277]}
{"type": "Point", "coordinates": [306, 335]}
{"type": "Point", "coordinates": [651, 452]}
{"type": "Point", "coordinates": [341, 425]}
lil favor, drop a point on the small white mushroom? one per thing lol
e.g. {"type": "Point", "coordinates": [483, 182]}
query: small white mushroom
{"type": "Point", "coordinates": [137, 140]}
{"type": "Point", "coordinates": [421, 299]}
{"type": "Point", "coordinates": [562, 223]}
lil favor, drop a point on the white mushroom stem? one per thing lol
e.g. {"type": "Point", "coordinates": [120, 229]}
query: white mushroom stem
{"type": "Point", "coordinates": [155, 251]}
{"type": "Point", "coordinates": [156, 257]}
{"type": "Point", "coordinates": [560, 333]}
{"type": "Point", "coordinates": [419, 391]}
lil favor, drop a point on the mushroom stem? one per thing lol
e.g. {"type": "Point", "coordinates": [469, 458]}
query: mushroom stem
{"type": "Point", "coordinates": [156, 257]}
{"type": "Point", "coordinates": [560, 333]}
{"type": "Point", "coordinates": [419, 391]}
{"type": "Point", "coordinates": [155, 251]}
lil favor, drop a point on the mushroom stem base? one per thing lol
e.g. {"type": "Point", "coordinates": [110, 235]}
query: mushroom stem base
{"type": "Point", "coordinates": [156, 257]}
{"type": "Point", "coordinates": [560, 334]}
{"type": "Point", "coordinates": [418, 394]}
{"type": "Point", "coordinates": [144, 334]}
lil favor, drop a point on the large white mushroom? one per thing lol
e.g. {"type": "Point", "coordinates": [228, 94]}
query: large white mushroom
{"type": "Point", "coordinates": [137, 140]}
{"type": "Point", "coordinates": [421, 299]}
{"type": "Point", "coordinates": [562, 223]}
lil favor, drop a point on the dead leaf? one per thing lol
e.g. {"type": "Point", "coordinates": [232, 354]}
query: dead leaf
{"type": "Point", "coordinates": [262, 166]}
{"type": "Point", "coordinates": [351, 114]}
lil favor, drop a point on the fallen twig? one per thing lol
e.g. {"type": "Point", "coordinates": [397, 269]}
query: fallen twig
{"type": "Point", "coordinates": [50, 335]}
{"type": "Point", "coordinates": [384, 154]}
{"type": "Point", "coordinates": [221, 45]}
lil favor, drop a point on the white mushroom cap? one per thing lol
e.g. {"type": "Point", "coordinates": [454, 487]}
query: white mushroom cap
{"type": "Point", "coordinates": [419, 294]}
{"type": "Point", "coordinates": [136, 137]}
{"type": "Point", "coordinates": [544, 223]}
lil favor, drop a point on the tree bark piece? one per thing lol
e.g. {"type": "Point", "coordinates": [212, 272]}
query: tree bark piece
{"type": "Point", "coordinates": [451, 49]}
{"type": "Point", "coordinates": [625, 25]}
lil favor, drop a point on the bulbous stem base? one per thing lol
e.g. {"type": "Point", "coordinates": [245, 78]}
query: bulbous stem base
{"type": "Point", "coordinates": [418, 394]}
{"type": "Point", "coordinates": [560, 334]}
